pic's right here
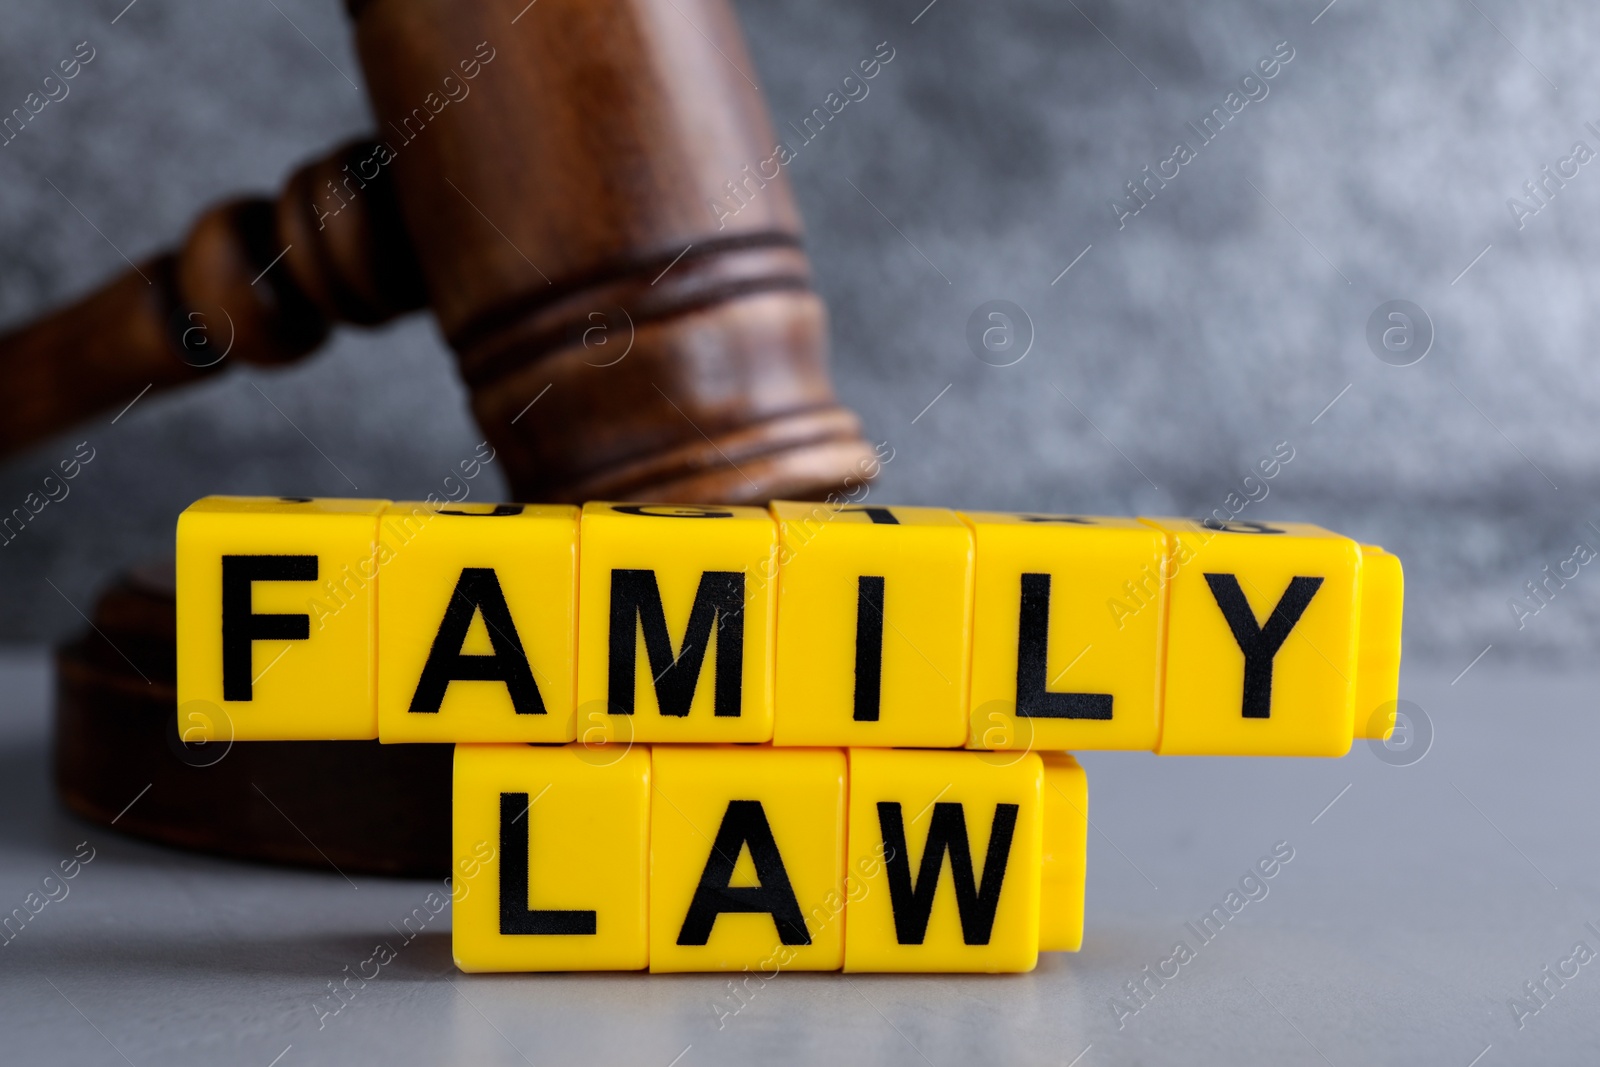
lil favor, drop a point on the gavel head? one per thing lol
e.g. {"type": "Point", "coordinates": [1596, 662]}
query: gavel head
{"type": "Point", "coordinates": [589, 197]}
{"type": "Point", "coordinates": [608, 246]}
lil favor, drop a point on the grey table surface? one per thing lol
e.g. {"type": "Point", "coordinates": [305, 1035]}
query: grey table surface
{"type": "Point", "coordinates": [1419, 900]}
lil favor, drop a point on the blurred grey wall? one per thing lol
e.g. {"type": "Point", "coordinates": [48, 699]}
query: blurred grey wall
{"type": "Point", "coordinates": [1185, 342]}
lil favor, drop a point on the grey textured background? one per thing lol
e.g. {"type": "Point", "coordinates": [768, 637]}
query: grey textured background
{"type": "Point", "coordinates": [1221, 320]}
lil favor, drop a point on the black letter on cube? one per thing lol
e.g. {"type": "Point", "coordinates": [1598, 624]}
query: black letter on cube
{"type": "Point", "coordinates": [719, 599]}
{"type": "Point", "coordinates": [1034, 700]}
{"type": "Point", "coordinates": [744, 823]}
{"type": "Point", "coordinates": [478, 590]}
{"type": "Point", "coordinates": [1260, 644]}
{"type": "Point", "coordinates": [500, 511]}
{"type": "Point", "coordinates": [869, 646]}
{"type": "Point", "coordinates": [976, 901]}
{"type": "Point", "coordinates": [879, 516]}
{"type": "Point", "coordinates": [241, 627]}
{"type": "Point", "coordinates": [515, 915]}
{"type": "Point", "coordinates": [671, 511]}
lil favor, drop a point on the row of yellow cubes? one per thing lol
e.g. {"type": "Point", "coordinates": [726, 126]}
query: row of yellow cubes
{"type": "Point", "coordinates": [763, 859]}
{"type": "Point", "coordinates": [805, 624]}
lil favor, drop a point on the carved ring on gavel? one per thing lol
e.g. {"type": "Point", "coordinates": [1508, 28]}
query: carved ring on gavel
{"type": "Point", "coordinates": [553, 212]}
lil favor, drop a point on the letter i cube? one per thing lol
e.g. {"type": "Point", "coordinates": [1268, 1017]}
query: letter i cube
{"type": "Point", "coordinates": [1067, 632]}
{"type": "Point", "coordinates": [875, 618]}
{"type": "Point", "coordinates": [277, 619]}
{"type": "Point", "coordinates": [475, 624]}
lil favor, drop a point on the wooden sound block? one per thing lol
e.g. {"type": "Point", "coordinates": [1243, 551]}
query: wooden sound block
{"type": "Point", "coordinates": [355, 807]}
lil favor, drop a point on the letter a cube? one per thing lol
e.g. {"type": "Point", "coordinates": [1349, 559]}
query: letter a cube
{"type": "Point", "coordinates": [747, 859]}
{"type": "Point", "coordinates": [475, 634]}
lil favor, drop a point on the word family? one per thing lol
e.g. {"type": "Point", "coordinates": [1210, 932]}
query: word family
{"type": "Point", "coordinates": [806, 624]}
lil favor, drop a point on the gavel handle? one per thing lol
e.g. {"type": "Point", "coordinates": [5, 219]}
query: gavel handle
{"type": "Point", "coordinates": [257, 280]}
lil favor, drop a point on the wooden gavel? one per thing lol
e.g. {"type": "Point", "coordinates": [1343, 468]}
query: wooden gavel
{"type": "Point", "coordinates": [582, 192]}
{"type": "Point", "coordinates": [545, 182]}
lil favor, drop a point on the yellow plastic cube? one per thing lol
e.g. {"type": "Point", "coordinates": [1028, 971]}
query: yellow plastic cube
{"type": "Point", "coordinates": [1068, 632]}
{"type": "Point", "coordinates": [675, 621]}
{"type": "Point", "coordinates": [476, 622]}
{"type": "Point", "coordinates": [747, 859]}
{"type": "Point", "coordinates": [1378, 673]}
{"type": "Point", "coordinates": [1263, 623]}
{"type": "Point", "coordinates": [551, 858]}
{"type": "Point", "coordinates": [874, 625]}
{"type": "Point", "coordinates": [1065, 858]}
{"type": "Point", "coordinates": [277, 619]}
{"type": "Point", "coordinates": [944, 861]}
